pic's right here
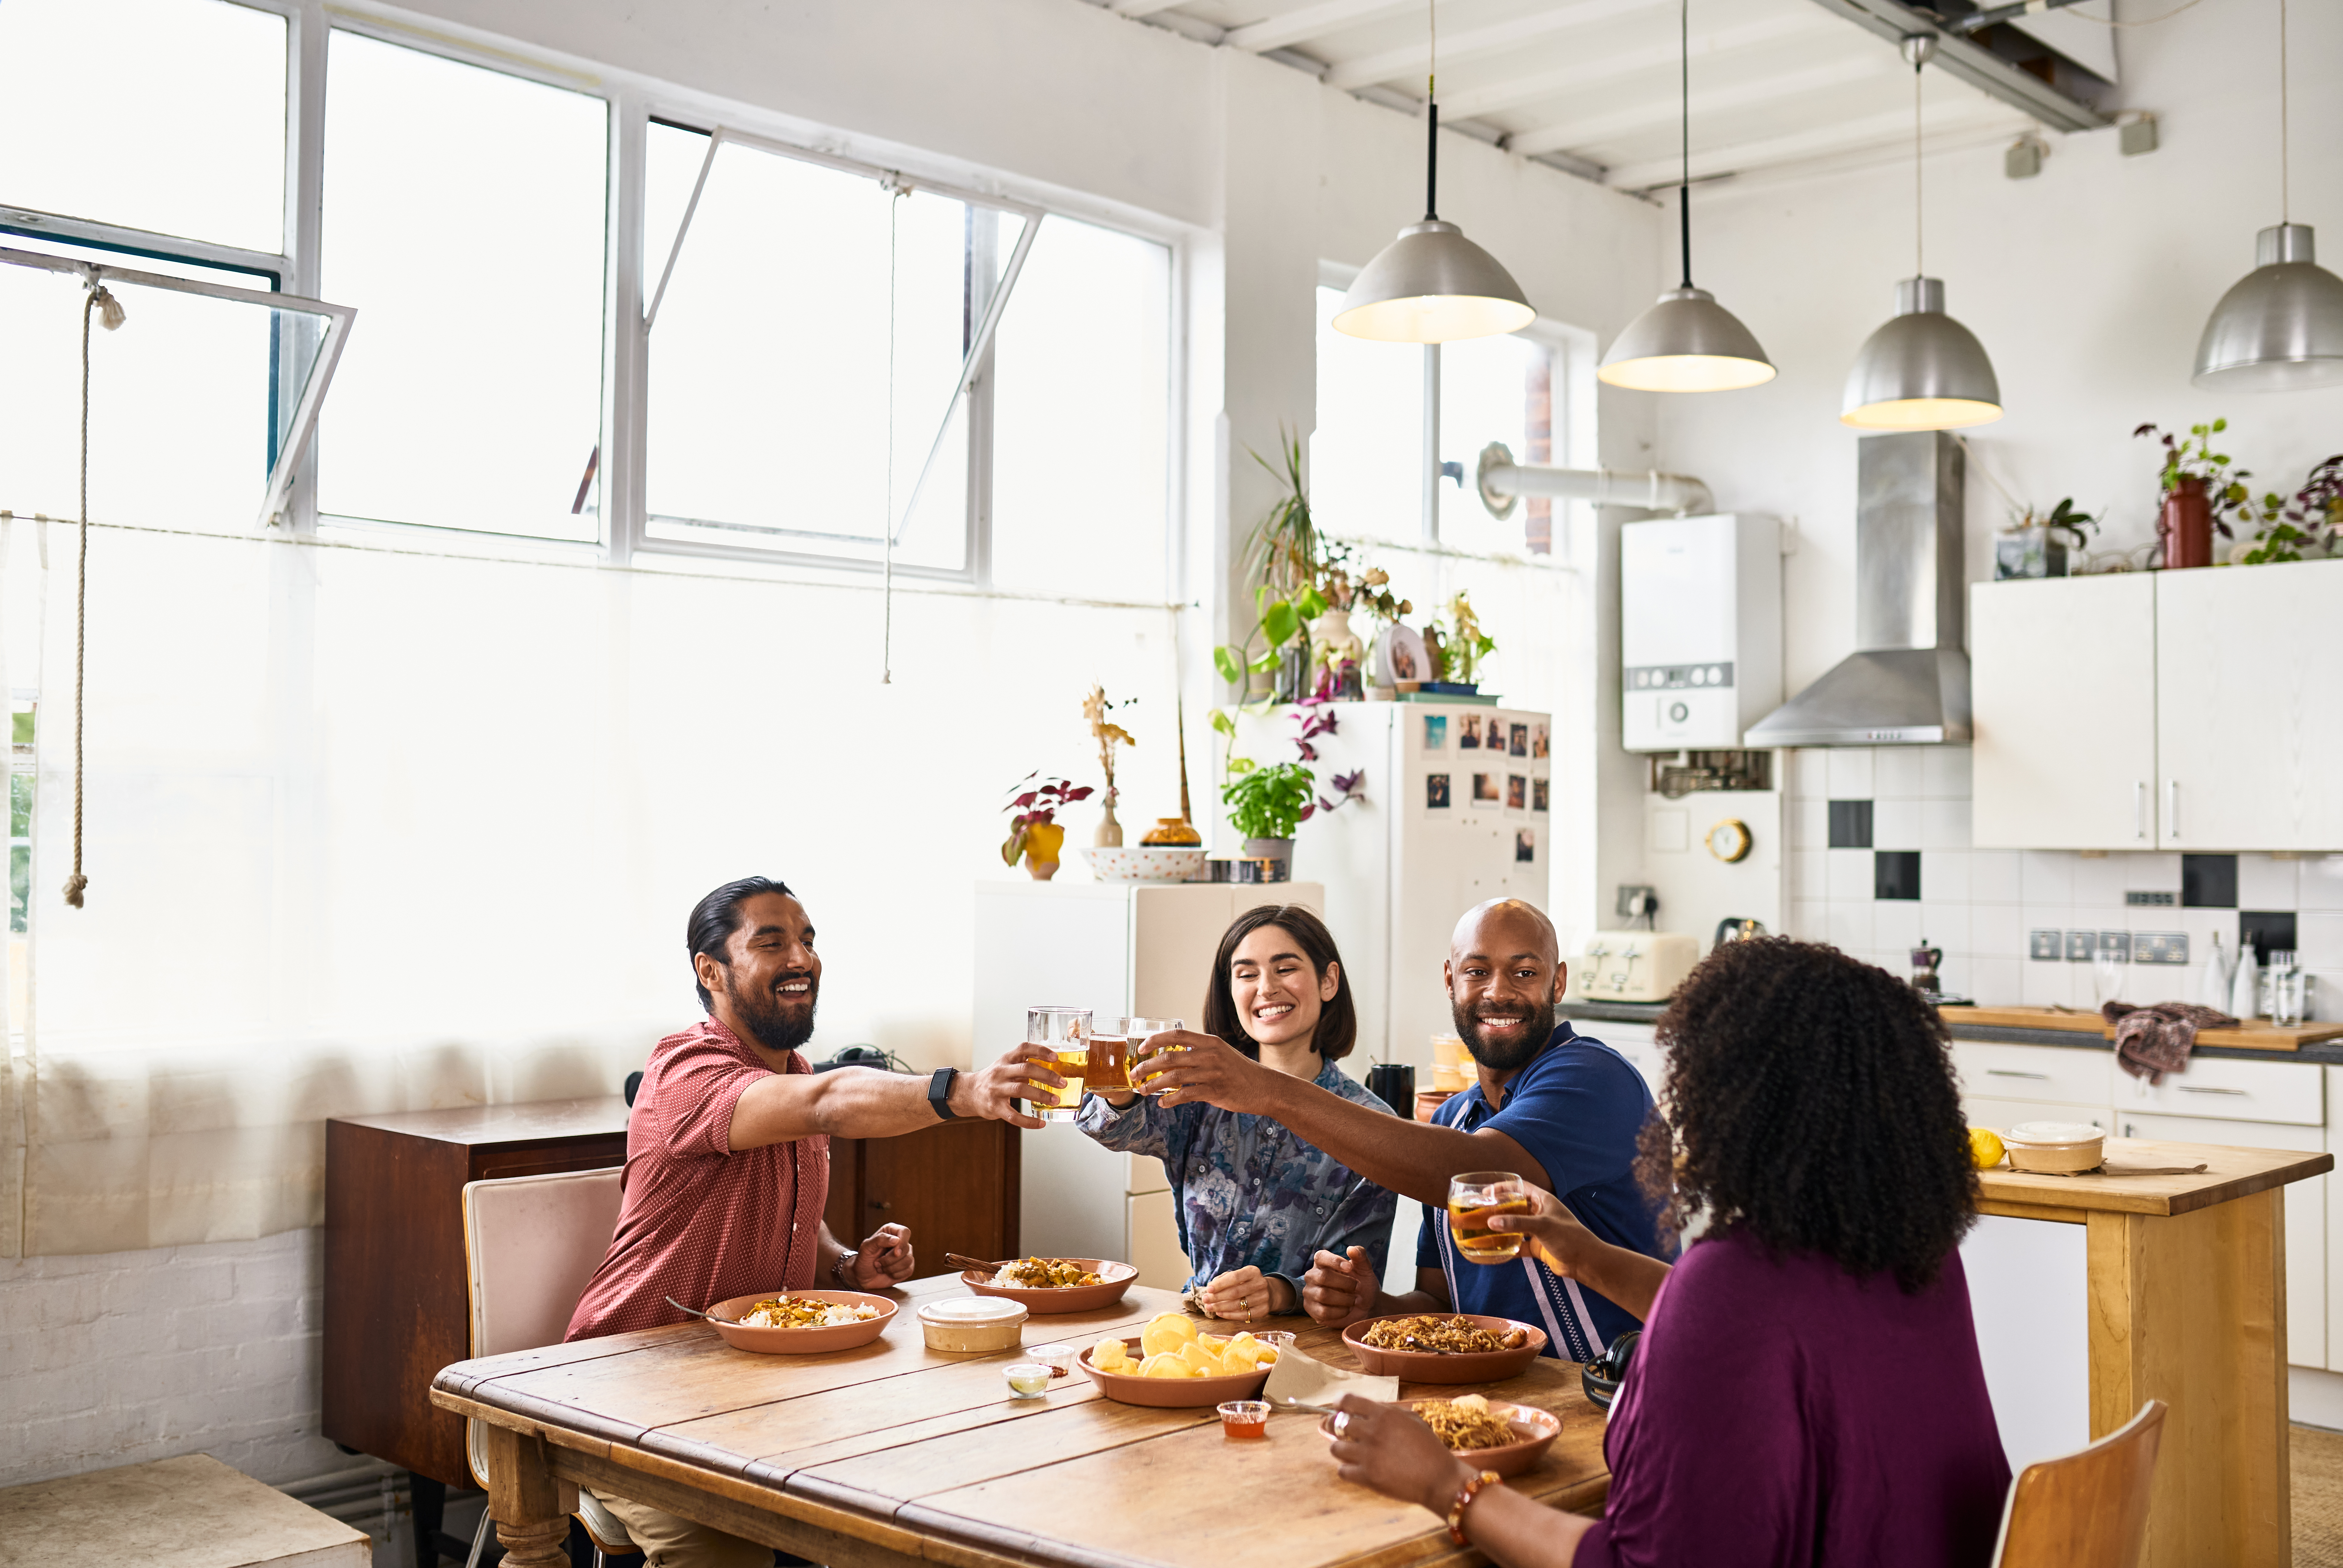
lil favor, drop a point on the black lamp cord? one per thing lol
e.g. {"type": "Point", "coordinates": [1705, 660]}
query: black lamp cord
{"type": "Point", "coordinates": [1431, 116]}
{"type": "Point", "coordinates": [1684, 190]}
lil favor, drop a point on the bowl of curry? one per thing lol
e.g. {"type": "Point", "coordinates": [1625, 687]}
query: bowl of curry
{"type": "Point", "coordinates": [1044, 1285]}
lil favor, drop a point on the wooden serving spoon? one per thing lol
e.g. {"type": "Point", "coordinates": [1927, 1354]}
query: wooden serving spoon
{"type": "Point", "coordinates": [973, 1265]}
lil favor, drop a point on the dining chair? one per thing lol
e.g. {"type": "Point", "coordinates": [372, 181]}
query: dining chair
{"type": "Point", "coordinates": [2089, 1509]}
{"type": "Point", "coordinates": [530, 1243]}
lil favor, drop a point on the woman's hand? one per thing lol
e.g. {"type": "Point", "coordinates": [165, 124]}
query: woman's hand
{"type": "Point", "coordinates": [1552, 1234]}
{"type": "Point", "coordinates": [1386, 1447]}
{"type": "Point", "coordinates": [1338, 1291]}
{"type": "Point", "coordinates": [1246, 1295]}
{"type": "Point", "coordinates": [1205, 1067]}
{"type": "Point", "coordinates": [884, 1259]}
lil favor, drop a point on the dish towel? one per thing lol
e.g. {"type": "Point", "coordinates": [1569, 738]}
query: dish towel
{"type": "Point", "coordinates": [2152, 1041]}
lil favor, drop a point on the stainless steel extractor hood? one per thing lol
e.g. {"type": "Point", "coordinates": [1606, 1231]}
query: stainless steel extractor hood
{"type": "Point", "coordinates": [1908, 681]}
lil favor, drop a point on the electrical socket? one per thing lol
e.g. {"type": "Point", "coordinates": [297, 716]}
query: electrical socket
{"type": "Point", "coordinates": [2160, 947]}
{"type": "Point", "coordinates": [2152, 900]}
{"type": "Point", "coordinates": [2045, 947]}
{"type": "Point", "coordinates": [2118, 944]}
{"type": "Point", "coordinates": [1636, 902]}
{"type": "Point", "coordinates": [2080, 946]}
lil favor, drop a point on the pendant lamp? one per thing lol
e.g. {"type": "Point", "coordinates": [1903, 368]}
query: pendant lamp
{"type": "Point", "coordinates": [1923, 370]}
{"type": "Point", "coordinates": [1432, 285]}
{"type": "Point", "coordinates": [1687, 342]}
{"type": "Point", "coordinates": [2280, 327]}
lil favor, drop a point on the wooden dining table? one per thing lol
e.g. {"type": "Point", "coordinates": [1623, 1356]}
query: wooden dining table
{"type": "Point", "coordinates": [892, 1453]}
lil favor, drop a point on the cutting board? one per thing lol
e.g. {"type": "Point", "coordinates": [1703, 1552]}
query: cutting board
{"type": "Point", "coordinates": [2256, 1034]}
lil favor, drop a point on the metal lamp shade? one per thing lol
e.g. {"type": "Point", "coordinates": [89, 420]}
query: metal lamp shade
{"type": "Point", "coordinates": [1921, 371]}
{"type": "Point", "coordinates": [1685, 343]}
{"type": "Point", "coordinates": [2280, 327]}
{"type": "Point", "coordinates": [1432, 285]}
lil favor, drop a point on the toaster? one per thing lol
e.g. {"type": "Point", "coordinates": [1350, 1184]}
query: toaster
{"type": "Point", "coordinates": [1631, 966]}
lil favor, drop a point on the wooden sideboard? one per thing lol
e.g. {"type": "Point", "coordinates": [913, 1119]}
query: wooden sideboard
{"type": "Point", "coordinates": [955, 1184]}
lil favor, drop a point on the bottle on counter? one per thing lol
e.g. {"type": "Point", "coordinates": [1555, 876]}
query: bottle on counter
{"type": "Point", "coordinates": [2246, 984]}
{"type": "Point", "coordinates": [2213, 987]}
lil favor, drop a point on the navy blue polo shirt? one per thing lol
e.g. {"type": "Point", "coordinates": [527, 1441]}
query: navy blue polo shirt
{"type": "Point", "coordinates": [1578, 1108]}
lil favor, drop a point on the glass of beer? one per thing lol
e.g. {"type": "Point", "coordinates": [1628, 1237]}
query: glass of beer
{"type": "Point", "coordinates": [1136, 1030]}
{"type": "Point", "coordinates": [1109, 1066]}
{"type": "Point", "coordinates": [1066, 1031]}
{"type": "Point", "coordinates": [1473, 1198]}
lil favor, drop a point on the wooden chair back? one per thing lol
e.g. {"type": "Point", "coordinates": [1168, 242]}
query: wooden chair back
{"type": "Point", "coordinates": [2087, 1510]}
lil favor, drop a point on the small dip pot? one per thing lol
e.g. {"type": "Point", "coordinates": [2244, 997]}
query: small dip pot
{"type": "Point", "coordinates": [1059, 1358]}
{"type": "Point", "coordinates": [2054, 1147]}
{"type": "Point", "coordinates": [1244, 1417]}
{"type": "Point", "coordinates": [1027, 1380]}
{"type": "Point", "coordinates": [971, 1326]}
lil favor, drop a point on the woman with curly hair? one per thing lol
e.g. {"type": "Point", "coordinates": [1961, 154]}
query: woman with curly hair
{"type": "Point", "coordinates": [1807, 1387]}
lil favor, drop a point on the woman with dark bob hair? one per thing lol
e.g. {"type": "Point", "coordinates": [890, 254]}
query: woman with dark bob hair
{"type": "Point", "coordinates": [1806, 1389]}
{"type": "Point", "coordinates": [1255, 1202]}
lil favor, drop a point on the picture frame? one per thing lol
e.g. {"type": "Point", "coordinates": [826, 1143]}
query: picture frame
{"type": "Point", "coordinates": [1399, 655]}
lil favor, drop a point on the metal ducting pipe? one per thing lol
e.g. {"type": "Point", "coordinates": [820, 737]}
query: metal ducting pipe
{"type": "Point", "coordinates": [1503, 483]}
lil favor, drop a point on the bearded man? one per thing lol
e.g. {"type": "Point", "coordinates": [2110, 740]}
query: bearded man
{"type": "Point", "coordinates": [1557, 1108]}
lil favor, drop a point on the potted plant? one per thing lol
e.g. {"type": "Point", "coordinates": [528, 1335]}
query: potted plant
{"type": "Point", "coordinates": [1460, 645]}
{"type": "Point", "coordinates": [1033, 830]}
{"type": "Point", "coordinates": [2309, 520]}
{"type": "Point", "coordinates": [2038, 545]}
{"type": "Point", "coordinates": [1283, 560]}
{"type": "Point", "coordinates": [1109, 735]}
{"type": "Point", "coordinates": [2198, 487]}
{"type": "Point", "coordinates": [1266, 804]}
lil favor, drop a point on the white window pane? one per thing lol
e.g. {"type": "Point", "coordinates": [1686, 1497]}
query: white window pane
{"type": "Point", "coordinates": [465, 220]}
{"type": "Point", "coordinates": [671, 159]}
{"type": "Point", "coordinates": [162, 114]}
{"type": "Point", "coordinates": [1366, 456]}
{"type": "Point", "coordinates": [1082, 453]}
{"type": "Point", "coordinates": [775, 406]}
{"type": "Point", "coordinates": [1485, 397]}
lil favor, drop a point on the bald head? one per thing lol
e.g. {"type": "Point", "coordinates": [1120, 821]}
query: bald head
{"type": "Point", "coordinates": [1504, 975]}
{"type": "Point", "coordinates": [1503, 927]}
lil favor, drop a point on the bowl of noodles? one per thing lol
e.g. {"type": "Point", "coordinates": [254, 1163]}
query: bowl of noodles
{"type": "Point", "coordinates": [1445, 1347]}
{"type": "Point", "coordinates": [1487, 1433]}
{"type": "Point", "coordinates": [803, 1322]}
{"type": "Point", "coordinates": [1044, 1285]}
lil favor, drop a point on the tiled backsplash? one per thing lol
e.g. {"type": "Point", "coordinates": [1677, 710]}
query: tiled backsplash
{"type": "Point", "coordinates": [1981, 906]}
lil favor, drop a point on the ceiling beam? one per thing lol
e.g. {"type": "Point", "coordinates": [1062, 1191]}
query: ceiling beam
{"type": "Point", "coordinates": [1565, 135]}
{"type": "Point", "coordinates": [1141, 7]}
{"type": "Point", "coordinates": [1965, 60]}
{"type": "Point", "coordinates": [1310, 22]}
{"type": "Point", "coordinates": [1511, 92]}
{"type": "Point", "coordinates": [1392, 64]}
{"type": "Point", "coordinates": [1874, 130]}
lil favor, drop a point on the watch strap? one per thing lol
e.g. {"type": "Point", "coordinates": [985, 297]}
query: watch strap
{"type": "Point", "coordinates": [939, 1088]}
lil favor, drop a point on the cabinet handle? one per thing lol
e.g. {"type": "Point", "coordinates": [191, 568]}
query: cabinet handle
{"type": "Point", "coordinates": [2130, 1129]}
{"type": "Point", "coordinates": [2172, 807]}
{"type": "Point", "coordinates": [2139, 810]}
{"type": "Point", "coordinates": [2199, 1089]}
{"type": "Point", "coordinates": [2013, 1072]}
{"type": "Point", "coordinates": [881, 1205]}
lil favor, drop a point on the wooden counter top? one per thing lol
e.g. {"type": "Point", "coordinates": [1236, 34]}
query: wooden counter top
{"type": "Point", "coordinates": [2253, 1034]}
{"type": "Point", "coordinates": [2228, 1174]}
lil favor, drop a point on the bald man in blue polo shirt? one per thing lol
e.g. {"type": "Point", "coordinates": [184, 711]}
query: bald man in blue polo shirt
{"type": "Point", "coordinates": [1556, 1108]}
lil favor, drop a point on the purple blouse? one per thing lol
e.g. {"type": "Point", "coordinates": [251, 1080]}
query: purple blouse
{"type": "Point", "coordinates": [1782, 1412]}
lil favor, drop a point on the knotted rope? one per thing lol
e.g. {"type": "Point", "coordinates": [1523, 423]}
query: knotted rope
{"type": "Point", "coordinates": [101, 303]}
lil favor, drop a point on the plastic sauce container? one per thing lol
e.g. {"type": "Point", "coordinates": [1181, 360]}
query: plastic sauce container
{"type": "Point", "coordinates": [2054, 1146]}
{"type": "Point", "coordinates": [1027, 1380]}
{"type": "Point", "coordinates": [1245, 1418]}
{"type": "Point", "coordinates": [972, 1325]}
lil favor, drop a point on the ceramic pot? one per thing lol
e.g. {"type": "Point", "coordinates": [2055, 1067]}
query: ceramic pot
{"type": "Point", "coordinates": [1271, 850]}
{"type": "Point", "coordinates": [1110, 831]}
{"type": "Point", "coordinates": [1336, 649]}
{"type": "Point", "coordinates": [2186, 525]}
{"type": "Point", "coordinates": [1043, 842]}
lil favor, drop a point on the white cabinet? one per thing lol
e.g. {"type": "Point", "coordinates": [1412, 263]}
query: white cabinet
{"type": "Point", "coordinates": [2047, 1072]}
{"type": "Point", "coordinates": [2001, 1115]}
{"type": "Point", "coordinates": [2231, 1089]}
{"type": "Point", "coordinates": [2063, 687]}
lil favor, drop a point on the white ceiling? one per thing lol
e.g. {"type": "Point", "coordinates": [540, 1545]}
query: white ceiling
{"type": "Point", "coordinates": [1593, 86]}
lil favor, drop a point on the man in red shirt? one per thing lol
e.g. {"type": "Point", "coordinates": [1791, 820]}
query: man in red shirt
{"type": "Point", "coordinates": [727, 1157]}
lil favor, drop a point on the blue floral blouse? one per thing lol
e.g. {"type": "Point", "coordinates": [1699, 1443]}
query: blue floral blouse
{"type": "Point", "coordinates": [1249, 1190]}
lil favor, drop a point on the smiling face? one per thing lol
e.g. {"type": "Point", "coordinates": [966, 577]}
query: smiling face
{"type": "Point", "coordinates": [767, 984]}
{"type": "Point", "coordinates": [1504, 975]}
{"type": "Point", "coordinates": [1279, 997]}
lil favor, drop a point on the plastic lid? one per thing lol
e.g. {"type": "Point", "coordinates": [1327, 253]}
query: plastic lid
{"type": "Point", "coordinates": [2053, 1132]}
{"type": "Point", "coordinates": [973, 1309]}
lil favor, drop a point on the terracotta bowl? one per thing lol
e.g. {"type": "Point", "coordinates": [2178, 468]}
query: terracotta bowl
{"type": "Point", "coordinates": [1537, 1430]}
{"type": "Point", "coordinates": [1172, 1393]}
{"type": "Point", "coordinates": [1430, 1366]}
{"type": "Point", "coordinates": [1062, 1298]}
{"type": "Point", "coordinates": [803, 1342]}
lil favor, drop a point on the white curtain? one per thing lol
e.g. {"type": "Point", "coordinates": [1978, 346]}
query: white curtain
{"type": "Point", "coordinates": [371, 830]}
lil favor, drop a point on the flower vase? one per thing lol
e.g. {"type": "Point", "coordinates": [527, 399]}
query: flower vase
{"type": "Point", "coordinates": [1043, 842]}
{"type": "Point", "coordinates": [2186, 525]}
{"type": "Point", "coordinates": [1336, 649]}
{"type": "Point", "coordinates": [1110, 831]}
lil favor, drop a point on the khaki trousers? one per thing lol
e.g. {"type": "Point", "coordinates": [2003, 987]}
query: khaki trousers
{"type": "Point", "coordinates": [668, 1541]}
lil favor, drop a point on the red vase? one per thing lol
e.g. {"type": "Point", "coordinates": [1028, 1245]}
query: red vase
{"type": "Point", "coordinates": [2186, 525]}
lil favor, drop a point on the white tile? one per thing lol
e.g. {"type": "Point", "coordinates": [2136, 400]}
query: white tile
{"type": "Point", "coordinates": [1850, 773]}
{"type": "Point", "coordinates": [1997, 877]}
{"type": "Point", "coordinates": [1944, 824]}
{"type": "Point", "coordinates": [2097, 880]}
{"type": "Point", "coordinates": [2266, 884]}
{"type": "Point", "coordinates": [1810, 873]}
{"type": "Point", "coordinates": [1944, 876]}
{"type": "Point", "coordinates": [1944, 925]}
{"type": "Point", "coordinates": [1849, 875]}
{"type": "Point", "coordinates": [1809, 824]}
{"type": "Point", "coordinates": [2049, 876]}
{"type": "Point", "coordinates": [1810, 920]}
{"type": "Point", "coordinates": [1896, 825]}
{"type": "Point", "coordinates": [1996, 981]}
{"type": "Point", "coordinates": [2322, 882]}
{"type": "Point", "coordinates": [1895, 929]}
{"type": "Point", "coordinates": [2048, 985]}
{"type": "Point", "coordinates": [1849, 925]}
{"type": "Point", "coordinates": [1896, 773]}
{"type": "Point", "coordinates": [1810, 773]}
{"type": "Point", "coordinates": [1997, 930]}
{"type": "Point", "coordinates": [2324, 998]}
{"type": "Point", "coordinates": [1945, 772]}
{"type": "Point", "coordinates": [2156, 873]}
{"type": "Point", "coordinates": [2319, 939]}
{"type": "Point", "coordinates": [1953, 972]}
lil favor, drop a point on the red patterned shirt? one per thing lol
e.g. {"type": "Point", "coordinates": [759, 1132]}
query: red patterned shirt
{"type": "Point", "coordinates": [700, 1221]}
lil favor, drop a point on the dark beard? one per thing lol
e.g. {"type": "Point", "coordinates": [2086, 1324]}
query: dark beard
{"type": "Point", "coordinates": [761, 1014]}
{"type": "Point", "coordinates": [1508, 1058]}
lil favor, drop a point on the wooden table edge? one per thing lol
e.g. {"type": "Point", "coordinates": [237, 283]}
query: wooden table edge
{"type": "Point", "coordinates": [2019, 1188]}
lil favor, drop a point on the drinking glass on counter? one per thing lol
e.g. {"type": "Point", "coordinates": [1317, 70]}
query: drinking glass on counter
{"type": "Point", "coordinates": [1066, 1031]}
{"type": "Point", "coordinates": [2290, 993]}
{"type": "Point", "coordinates": [1473, 1198]}
{"type": "Point", "coordinates": [1137, 1030]}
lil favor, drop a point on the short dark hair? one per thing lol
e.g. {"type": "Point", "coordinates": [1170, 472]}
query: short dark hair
{"type": "Point", "coordinates": [1338, 1025]}
{"type": "Point", "coordinates": [1813, 1103]}
{"type": "Point", "coordinates": [715, 917]}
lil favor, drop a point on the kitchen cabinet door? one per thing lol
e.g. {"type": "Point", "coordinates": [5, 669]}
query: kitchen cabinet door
{"type": "Point", "coordinates": [2248, 735]}
{"type": "Point", "coordinates": [2063, 688]}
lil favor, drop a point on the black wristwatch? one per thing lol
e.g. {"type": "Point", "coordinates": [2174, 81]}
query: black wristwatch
{"type": "Point", "coordinates": [939, 1088]}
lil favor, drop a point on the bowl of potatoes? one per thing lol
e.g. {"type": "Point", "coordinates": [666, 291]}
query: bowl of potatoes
{"type": "Point", "coordinates": [1174, 1364]}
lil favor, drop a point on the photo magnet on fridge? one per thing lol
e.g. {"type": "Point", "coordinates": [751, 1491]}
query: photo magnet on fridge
{"type": "Point", "coordinates": [1435, 791]}
{"type": "Point", "coordinates": [1521, 747]}
{"type": "Point", "coordinates": [1538, 743]}
{"type": "Point", "coordinates": [1468, 732]}
{"type": "Point", "coordinates": [1538, 797]}
{"type": "Point", "coordinates": [1436, 732]}
{"type": "Point", "coordinates": [1485, 790]}
{"type": "Point", "coordinates": [1525, 845]}
{"type": "Point", "coordinates": [1517, 792]}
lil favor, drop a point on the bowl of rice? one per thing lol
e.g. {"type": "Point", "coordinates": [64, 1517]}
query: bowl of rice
{"type": "Point", "coordinates": [1445, 1347]}
{"type": "Point", "coordinates": [803, 1322]}
{"type": "Point", "coordinates": [1489, 1434]}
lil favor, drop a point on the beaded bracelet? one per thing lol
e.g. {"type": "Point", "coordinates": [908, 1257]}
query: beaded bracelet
{"type": "Point", "coordinates": [1464, 1496]}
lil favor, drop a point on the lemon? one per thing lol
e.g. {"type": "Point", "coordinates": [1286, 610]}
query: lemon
{"type": "Point", "coordinates": [1985, 1147]}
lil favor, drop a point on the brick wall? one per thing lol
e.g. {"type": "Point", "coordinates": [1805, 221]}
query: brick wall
{"type": "Point", "coordinates": [123, 1357]}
